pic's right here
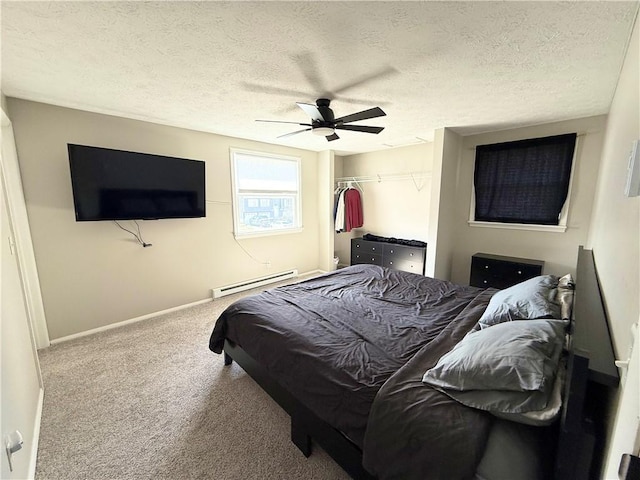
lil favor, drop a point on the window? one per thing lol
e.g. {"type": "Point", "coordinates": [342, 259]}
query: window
{"type": "Point", "coordinates": [524, 183]}
{"type": "Point", "coordinates": [266, 193]}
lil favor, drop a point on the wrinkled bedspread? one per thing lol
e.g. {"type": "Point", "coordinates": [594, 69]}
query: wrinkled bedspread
{"type": "Point", "coordinates": [333, 342]}
{"type": "Point", "coordinates": [417, 432]}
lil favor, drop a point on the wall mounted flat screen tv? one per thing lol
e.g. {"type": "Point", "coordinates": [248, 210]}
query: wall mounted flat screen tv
{"type": "Point", "coordinates": [118, 185]}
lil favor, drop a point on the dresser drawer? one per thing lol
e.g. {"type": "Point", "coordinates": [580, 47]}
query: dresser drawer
{"type": "Point", "coordinates": [366, 246]}
{"type": "Point", "coordinates": [405, 258]}
{"type": "Point", "coordinates": [397, 253]}
{"type": "Point", "coordinates": [405, 265]}
{"type": "Point", "coordinates": [364, 257]}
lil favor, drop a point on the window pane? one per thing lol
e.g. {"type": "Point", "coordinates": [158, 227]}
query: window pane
{"type": "Point", "coordinates": [265, 173]}
{"type": "Point", "coordinates": [266, 196]}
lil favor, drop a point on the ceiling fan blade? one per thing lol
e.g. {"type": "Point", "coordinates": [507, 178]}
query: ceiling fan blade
{"type": "Point", "coordinates": [364, 115]}
{"type": "Point", "coordinates": [311, 110]}
{"type": "Point", "coordinates": [360, 128]}
{"type": "Point", "coordinates": [294, 133]}
{"type": "Point", "coordinates": [280, 121]}
{"type": "Point", "coordinates": [332, 137]}
{"type": "Point", "coordinates": [359, 101]}
{"type": "Point", "coordinates": [255, 87]}
{"type": "Point", "coordinates": [308, 65]}
{"type": "Point", "coordinates": [383, 72]}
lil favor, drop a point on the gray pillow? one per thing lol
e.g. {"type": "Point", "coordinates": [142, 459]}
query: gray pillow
{"type": "Point", "coordinates": [533, 298]}
{"type": "Point", "coordinates": [537, 417]}
{"type": "Point", "coordinates": [513, 356]}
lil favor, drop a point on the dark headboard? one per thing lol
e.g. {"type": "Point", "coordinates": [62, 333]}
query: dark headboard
{"type": "Point", "coordinates": [591, 374]}
{"type": "Point", "coordinates": [591, 337]}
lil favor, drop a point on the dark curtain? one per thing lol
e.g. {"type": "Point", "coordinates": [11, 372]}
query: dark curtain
{"type": "Point", "coordinates": [525, 181]}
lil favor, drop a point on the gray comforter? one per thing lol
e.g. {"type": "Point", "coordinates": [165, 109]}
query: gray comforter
{"type": "Point", "coordinates": [353, 346]}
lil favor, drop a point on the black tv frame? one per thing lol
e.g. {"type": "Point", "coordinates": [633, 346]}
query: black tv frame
{"type": "Point", "coordinates": [156, 195]}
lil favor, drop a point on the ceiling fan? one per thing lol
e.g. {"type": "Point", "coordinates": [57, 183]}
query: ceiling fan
{"type": "Point", "coordinates": [325, 124]}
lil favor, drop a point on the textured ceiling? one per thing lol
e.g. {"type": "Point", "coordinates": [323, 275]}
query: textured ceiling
{"type": "Point", "coordinates": [218, 66]}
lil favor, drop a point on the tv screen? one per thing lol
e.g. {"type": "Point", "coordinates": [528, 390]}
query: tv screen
{"type": "Point", "coordinates": [117, 185]}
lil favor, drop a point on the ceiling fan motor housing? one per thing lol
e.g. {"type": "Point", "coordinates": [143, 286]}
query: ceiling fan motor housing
{"type": "Point", "coordinates": [325, 111]}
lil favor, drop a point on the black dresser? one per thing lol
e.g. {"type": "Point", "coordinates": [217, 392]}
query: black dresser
{"type": "Point", "coordinates": [392, 255]}
{"type": "Point", "coordinates": [502, 272]}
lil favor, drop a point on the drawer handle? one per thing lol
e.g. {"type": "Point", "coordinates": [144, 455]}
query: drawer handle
{"type": "Point", "coordinates": [373, 248]}
{"type": "Point", "coordinates": [390, 263]}
{"type": "Point", "coordinates": [519, 272]}
{"type": "Point", "coordinates": [486, 266]}
{"type": "Point", "coordinates": [357, 245]}
{"type": "Point", "coordinates": [357, 256]}
{"type": "Point", "coordinates": [373, 259]}
{"type": "Point", "coordinates": [484, 281]}
{"type": "Point", "coordinates": [391, 251]}
{"type": "Point", "coordinates": [411, 254]}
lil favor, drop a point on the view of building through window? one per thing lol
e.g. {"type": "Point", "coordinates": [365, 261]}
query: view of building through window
{"type": "Point", "coordinates": [266, 193]}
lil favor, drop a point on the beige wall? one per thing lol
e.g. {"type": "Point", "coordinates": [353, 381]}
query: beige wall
{"type": "Point", "coordinates": [614, 236]}
{"type": "Point", "coordinates": [558, 250]}
{"type": "Point", "coordinates": [447, 146]}
{"type": "Point", "coordinates": [393, 208]}
{"type": "Point", "coordinates": [325, 210]}
{"type": "Point", "coordinates": [93, 274]}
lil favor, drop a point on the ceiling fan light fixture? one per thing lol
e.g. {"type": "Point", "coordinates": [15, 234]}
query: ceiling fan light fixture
{"type": "Point", "coordinates": [323, 131]}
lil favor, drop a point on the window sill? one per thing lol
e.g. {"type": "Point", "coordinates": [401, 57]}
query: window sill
{"type": "Point", "coordinates": [519, 226]}
{"type": "Point", "coordinates": [266, 233]}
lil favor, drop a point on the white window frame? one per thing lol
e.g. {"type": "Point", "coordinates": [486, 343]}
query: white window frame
{"type": "Point", "coordinates": [564, 213]}
{"type": "Point", "coordinates": [297, 228]}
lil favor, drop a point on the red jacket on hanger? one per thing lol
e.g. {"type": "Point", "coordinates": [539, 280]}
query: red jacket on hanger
{"type": "Point", "coordinates": [352, 209]}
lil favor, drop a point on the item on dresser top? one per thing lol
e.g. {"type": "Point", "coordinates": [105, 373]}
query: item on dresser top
{"type": "Point", "coordinates": [399, 241]}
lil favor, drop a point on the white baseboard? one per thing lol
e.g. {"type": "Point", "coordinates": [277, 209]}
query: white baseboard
{"type": "Point", "coordinates": [253, 283]}
{"type": "Point", "coordinates": [312, 272]}
{"type": "Point", "coordinates": [127, 322]}
{"type": "Point", "coordinates": [150, 315]}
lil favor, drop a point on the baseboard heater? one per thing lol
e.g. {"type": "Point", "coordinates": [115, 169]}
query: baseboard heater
{"type": "Point", "coordinates": [256, 282]}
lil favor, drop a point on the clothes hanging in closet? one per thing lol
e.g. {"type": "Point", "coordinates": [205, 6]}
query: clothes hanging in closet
{"type": "Point", "coordinates": [348, 210]}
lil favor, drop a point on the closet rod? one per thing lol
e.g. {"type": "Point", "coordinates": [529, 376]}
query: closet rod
{"type": "Point", "coordinates": [383, 177]}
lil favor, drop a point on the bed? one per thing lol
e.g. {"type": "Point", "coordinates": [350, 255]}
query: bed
{"type": "Point", "coordinates": [363, 359]}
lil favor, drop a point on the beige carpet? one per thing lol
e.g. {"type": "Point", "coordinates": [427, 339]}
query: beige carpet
{"type": "Point", "coordinates": [150, 401]}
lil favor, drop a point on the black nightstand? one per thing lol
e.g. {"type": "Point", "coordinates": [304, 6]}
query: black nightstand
{"type": "Point", "coordinates": [502, 272]}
